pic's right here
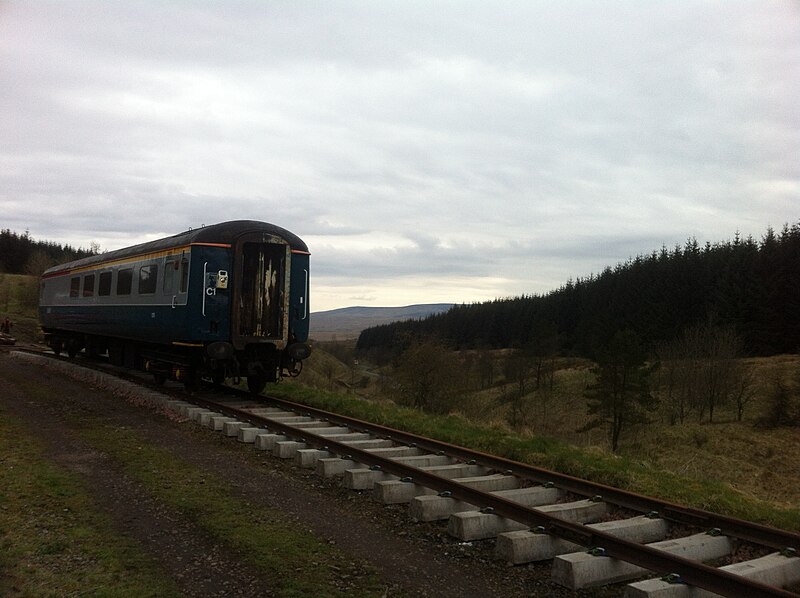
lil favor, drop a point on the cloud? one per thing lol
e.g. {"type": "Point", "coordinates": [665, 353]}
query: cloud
{"type": "Point", "coordinates": [421, 149]}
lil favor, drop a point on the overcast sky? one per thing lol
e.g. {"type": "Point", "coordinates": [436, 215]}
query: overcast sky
{"type": "Point", "coordinates": [432, 151]}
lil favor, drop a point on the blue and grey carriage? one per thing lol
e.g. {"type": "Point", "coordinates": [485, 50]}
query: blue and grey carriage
{"type": "Point", "coordinates": [223, 301]}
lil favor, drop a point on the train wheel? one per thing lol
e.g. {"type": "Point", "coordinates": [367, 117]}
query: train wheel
{"type": "Point", "coordinates": [74, 346]}
{"type": "Point", "coordinates": [256, 384]}
{"type": "Point", "coordinates": [192, 381]}
{"type": "Point", "coordinates": [94, 348]}
{"type": "Point", "coordinates": [116, 352]}
{"type": "Point", "coordinates": [218, 378]}
{"type": "Point", "coordinates": [56, 346]}
{"type": "Point", "coordinates": [160, 379]}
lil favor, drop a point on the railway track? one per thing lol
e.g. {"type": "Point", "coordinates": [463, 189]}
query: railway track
{"type": "Point", "coordinates": [593, 534]}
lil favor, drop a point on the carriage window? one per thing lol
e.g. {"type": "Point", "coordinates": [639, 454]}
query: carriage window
{"type": "Point", "coordinates": [170, 276]}
{"type": "Point", "coordinates": [88, 285]}
{"type": "Point", "coordinates": [104, 288]}
{"type": "Point", "coordinates": [74, 287]}
{"type": "Point", "coordinates": [148, 275]}
{"type": "Point", "coordinates": [184, 275]}
{"type": "Point", "coordinates": [124, 281]}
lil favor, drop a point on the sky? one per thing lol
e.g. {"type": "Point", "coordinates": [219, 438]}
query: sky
{"type": "Point", "coordinates": [427, 151]}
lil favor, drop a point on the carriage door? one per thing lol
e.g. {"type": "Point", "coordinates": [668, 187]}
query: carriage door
{"type": "Point", "coordinates": [262, 294]}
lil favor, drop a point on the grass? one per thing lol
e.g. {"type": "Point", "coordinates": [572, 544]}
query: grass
{"type": "Point", "coordinates": [266, 539]}
{"type": "Point", "coordinates": [54, 542]}
{"type": "Point", "coordinates": [42, 497]}
{"type": "Point", "coordinates": [639, 470]}
{"type": "Point", "coordinates": [19, 302]}
{"type": "Point", "coordinates": [755, 464]}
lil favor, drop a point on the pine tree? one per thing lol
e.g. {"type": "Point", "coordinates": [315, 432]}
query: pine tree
{"type": "Point", "coordinates": [620, 396]}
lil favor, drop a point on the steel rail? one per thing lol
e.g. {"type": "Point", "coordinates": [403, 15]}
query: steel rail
{"type": "Point", "coordinates": [690, 572]}
{"type": "Point", "coordinates": [752, 532]}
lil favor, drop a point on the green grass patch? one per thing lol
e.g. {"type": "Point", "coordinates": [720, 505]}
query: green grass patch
{"type": "Point", "coordinates": [295, 560]}
{"type": "Point", "coordinates": [268, 540]}
{"type": "Point", "coordinates": [54, 543]}
{"type": "Point", "coordinates": [598, 466]}
{"type": "Point", "coordinates": [19, 300]}
{"type": "Point", "coordinates": [19, 294]}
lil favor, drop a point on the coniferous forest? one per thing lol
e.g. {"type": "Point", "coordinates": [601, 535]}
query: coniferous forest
{"type": "Point", "coordinates": [750, 286]}
{"type": "Point", "coordinates": [20, 254]}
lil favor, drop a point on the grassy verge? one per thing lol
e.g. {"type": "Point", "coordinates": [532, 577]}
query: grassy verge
{"type": "Point", "coordinates": [54, 543]}
{"type": "Point", "coordinates": [622, 472]}
{"type": "Point", "coordinates": [40, 497]}
{"type": "Point", "coordinates": [298, 563]}
{"type": "Point", "coordinates": [19, 302]}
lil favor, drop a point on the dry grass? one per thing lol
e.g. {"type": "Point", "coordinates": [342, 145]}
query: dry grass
{"type": "Point", "coordinates": [19, 302]}
{"type": "Point", "coordinates": [758, 463]}
{"type": "Point", "coordinates": [755, 461]}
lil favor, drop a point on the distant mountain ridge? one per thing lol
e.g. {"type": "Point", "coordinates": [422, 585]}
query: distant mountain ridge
{"type": "Point", "coordinates": [348, 322]}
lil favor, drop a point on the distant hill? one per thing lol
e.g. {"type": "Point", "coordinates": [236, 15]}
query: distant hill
{"type": "Point", "coordinates": [348, 322]}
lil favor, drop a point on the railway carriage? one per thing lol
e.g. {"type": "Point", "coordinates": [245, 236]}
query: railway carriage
{"type": "Point", "coordinates": [228, 300]}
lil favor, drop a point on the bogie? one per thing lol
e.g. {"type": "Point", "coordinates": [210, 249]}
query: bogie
{"type": "Point", "coordinates": [256, 383]}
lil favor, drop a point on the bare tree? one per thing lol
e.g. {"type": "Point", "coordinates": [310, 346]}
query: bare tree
{"type": "Point", "coordinates": [329, 370]}
{"type": "Point", "coordinates": [542, 348]}
{"type": "Point", "coordinates": [744, 391]}
{"type": "Point", "coordinates": [485, 368]}
{"type": "Point", "coordinates": [428, 375]}
{"type": "Point", "coordinates": [783, 401]}
{"type": "Point", "coordinates": [518, 369]}
{"type": "Point", "coordinates": [5, 291]}
{"type": "Point", "coordinates": [668, 381]}
{"type": "Point", "coordinates": [722, 347]}
{"type": "Point", "coordinates": [38, 263]}
{"type": "Point", "coordinates": [701, 371]}
{"type": "Point", "coordinates": [544, 393]}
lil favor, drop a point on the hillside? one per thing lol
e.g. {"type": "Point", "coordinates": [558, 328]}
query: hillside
{"type": "Point", "coordinates": [734, 466]}
{"type": "Point", "coordinates": [749, 286]}
{"type": "Point", "coordinates": [348, 322]}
